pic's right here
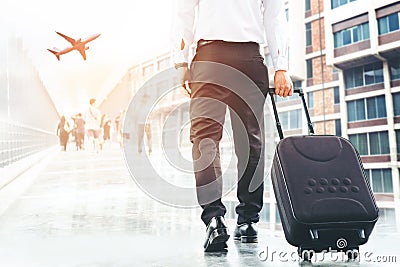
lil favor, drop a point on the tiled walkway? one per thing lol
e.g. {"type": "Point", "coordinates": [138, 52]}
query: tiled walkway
{"type": "Point", "coordinates": [79, 208]}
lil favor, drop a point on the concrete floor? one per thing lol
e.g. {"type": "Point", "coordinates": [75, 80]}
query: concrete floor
{"type": "Point", "coordinates": [79, 208]}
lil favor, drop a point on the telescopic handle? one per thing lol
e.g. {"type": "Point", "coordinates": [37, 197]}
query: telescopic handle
{"type": "Point", "coordinates": [303, 100]}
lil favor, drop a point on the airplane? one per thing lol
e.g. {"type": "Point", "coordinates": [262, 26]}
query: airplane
{"type": "Point", "coordinates": [79, 45]}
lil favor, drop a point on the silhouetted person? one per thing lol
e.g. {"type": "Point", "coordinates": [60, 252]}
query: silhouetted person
{"type": "Point", "coordinates": [119, 125]}
{"type": "Point", "coordinates": [144, 126]}
{"type": "Point", "coordinates": [79, 131]}
{"type": "Point", "coordinates": [106, 129]}
{"type": "Point", "coordinates": [93, 117]}
{"type": "Point", "coordinates": [63, 130]}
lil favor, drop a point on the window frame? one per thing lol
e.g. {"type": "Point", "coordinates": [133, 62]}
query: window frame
{"type": "Point", "coordinates": [351, 36]}
{"type": "Point", "coordinates": [309, 68]}
{"type": "Point", "coordinates": [375, 113]}
{"type": "Point", "coordinates": [310, 99]}
{"type": "Point", "coordinates": [386, 181]}
{"type": "Point", "coordinates": [286, 119]}
{"type": "Point", "coordinates": [366, 151]}
{"type": "Point", "coordinates": [394, 66]}
{"type": "Point", "coordinates": [336, 95]}
{"type": "Point", "coordinates": [308, 31]}
{"type": "Point", "coordinates": [307, 5]}
{"type": "Point", "coordinates": [396, 108]}
{"type": "Point", "coordinates": [355, 77]}
{"type": "Point", "coordinates": [385, 22]}
{"type": "Point", "coordinates": [338, 127]}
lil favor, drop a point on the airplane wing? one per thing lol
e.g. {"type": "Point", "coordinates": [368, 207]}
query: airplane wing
{"type": "Point", "coordinates": [69, 39]}
{"type": "Point", "coordinates": [82, 51]}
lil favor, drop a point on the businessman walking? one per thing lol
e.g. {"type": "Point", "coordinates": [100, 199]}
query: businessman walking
{"type": "Point", "coordinates": [228, 35]}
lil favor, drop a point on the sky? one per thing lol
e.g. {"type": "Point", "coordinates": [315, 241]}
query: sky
{"type": "Point", "coordinates": [131, 31]}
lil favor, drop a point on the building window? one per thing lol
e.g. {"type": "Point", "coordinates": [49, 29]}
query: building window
{"type": "Point", "coordinates": [387, 218]}
{"type": "Point", "coordinates": [308, 34]}
{"type": "Point", "coordinates": [287, 14]}
{"type": "Point", "coordinates": [373, 73]}
{"type": "Point", "coordinates": [381, 180]}
{"type": "Point", "coordinates": [309, 68]}
{"type": "Point", "coordinates": [398, 141]}
{"type": "Point", "coordinates": [338, 128]}
{"type": "Point", "coordinates": [310, 98]}
{"type": "Point", "coordinates": [296, 84]}
{"type": "Point", "coordinates": [388, 23]}
{"type": "Point", "coordinates": [338, 3]}
{"type": "Point", "coordinates": [356, 110]}
{"type": "Point", "coordinates": [367, 108]}
{"type": "Point", "coordinates": [396, 104]}
{"type": "Point", "coordinates": [288, 98]}
{"type": "Point", "coordinates": [277, 216]}
{"type": "Point", "coordinates": [364, 75]}
{"type": "Point", "coordinates": [394, 66]}
{"type": "Point", "coordinates": [379, 143]}
{"type": "Point", "coordinates": [336, 95]}
{"type": "Point", "coordinates": [360, 142]}
{"type": "Point", "coordinates": [291, 119]}
{"type": "Point", "coordinates": [265, 213]}
{"type": "Point", "coordinates": [376, 107]}
{"type": "Point", "coordinates": [351, 35]}
{"type": "Point", "coordinates": [375, 143]}
{"type": "Point", "coordinates": [308, 5]}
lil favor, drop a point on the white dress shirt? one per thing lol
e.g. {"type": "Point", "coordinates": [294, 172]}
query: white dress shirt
{"type": "Point", "coordinates": [93, 118]}
{"type": "Point", "coordinates": [233, 21]}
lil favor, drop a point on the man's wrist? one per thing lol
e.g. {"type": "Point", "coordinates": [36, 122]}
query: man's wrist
{"type": "Point", "coordinates": [181, 65]}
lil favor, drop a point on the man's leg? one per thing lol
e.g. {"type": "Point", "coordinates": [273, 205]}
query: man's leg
{"type": "Point", "coordinates": [207, 118]}
{"type": "Point", "coordinates": [148, 136]}
{"type": "Point", "coordinates": [249, 148]}
{"type": "Point", "coordinates": [247, 116]}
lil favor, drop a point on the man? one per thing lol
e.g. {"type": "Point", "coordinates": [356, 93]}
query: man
{"type": "Point", "coordinates": [93, 120]}
{"type": "Point", "coordinates": [119, 127]}
{"type": "Point", "coordinates": [143, 125]}
{"type": "Point", "coordinates": [79, 131]}
{"type": "Point", "coordinates": [228, 34]}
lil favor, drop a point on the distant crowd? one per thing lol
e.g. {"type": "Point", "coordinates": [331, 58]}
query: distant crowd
{"type": "Point", "coordinates": [90, 130]}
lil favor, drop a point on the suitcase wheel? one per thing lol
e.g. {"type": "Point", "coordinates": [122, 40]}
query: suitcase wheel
{"type": "Point", "coordinates": [353, 254]}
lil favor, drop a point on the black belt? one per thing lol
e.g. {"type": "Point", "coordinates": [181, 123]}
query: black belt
{"type": "Point", "coordinates": [202, 43]}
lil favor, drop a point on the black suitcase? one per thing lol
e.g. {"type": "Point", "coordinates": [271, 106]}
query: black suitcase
{"type": "Point", "coordinates": [323, 196]}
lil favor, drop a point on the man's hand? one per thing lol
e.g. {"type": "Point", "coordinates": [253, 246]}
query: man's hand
{"type": "Point", "coordinates": [184, 79]}
{"type": "Point", "coordinates": [283, 83]}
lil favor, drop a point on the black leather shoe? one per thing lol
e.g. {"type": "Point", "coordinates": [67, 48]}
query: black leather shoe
{"type": "Point", "coordinates": [216, 235]}
{"type": "Point", "coordinates": [246, 233]}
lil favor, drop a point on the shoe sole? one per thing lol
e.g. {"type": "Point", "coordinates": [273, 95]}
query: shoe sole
{"type": "Point", "coordinates": [247, 239]}
{"type": "Point", "coordinates": [217, 240]}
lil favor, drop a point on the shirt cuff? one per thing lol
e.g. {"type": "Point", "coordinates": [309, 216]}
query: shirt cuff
{"type": "Point", "coordinates": [179, 56]}
{"type": "Point", "coordinates": [281, 63]}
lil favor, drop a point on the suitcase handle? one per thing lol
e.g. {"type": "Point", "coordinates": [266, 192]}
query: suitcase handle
{"type": "Point", "coordinates": [303, 100]}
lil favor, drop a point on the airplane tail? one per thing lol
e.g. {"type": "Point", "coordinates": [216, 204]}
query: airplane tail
{"type": "Point", "coordinates": [55, 53]}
